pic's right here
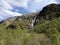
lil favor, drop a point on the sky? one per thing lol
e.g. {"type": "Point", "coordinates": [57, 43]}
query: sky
{"type": "Point", "coordinates": [11, 8]}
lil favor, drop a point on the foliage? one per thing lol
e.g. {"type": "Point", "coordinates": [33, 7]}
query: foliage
{"type": "Point", "coordinates": [45, 32]}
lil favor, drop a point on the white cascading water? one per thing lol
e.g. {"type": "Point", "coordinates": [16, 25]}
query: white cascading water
{"type": "Point", "coordinates": [31, 25]}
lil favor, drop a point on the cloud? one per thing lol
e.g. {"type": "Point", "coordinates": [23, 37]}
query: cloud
{"type": "Point", "coordinates": [19, 3]}
{"type": "Point", "coordinates": [58, 1]}
{"type": "Point", "coordinates": [5, 5]}
{"type": "Point", "coordinates": [5, 10]}
{"type": "Point", "coordinates": [12, 13]}
{"type": "Point", "coordinates": [35, 5]}
{"type": "Point", "coordinates": [52, 1]}
{"type": "Point", "coordinates": [4, 14]}
{"type": "Point", "coordinates": [11, 8]}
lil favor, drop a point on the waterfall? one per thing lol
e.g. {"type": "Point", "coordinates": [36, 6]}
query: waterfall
{"type": "Point", "coordinates": [31, 25]}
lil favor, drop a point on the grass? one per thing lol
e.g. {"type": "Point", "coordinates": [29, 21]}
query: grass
{"type": "Point", "coordinates": [22, 37]}
{"type": "Point", "coordinates": [42, 34]}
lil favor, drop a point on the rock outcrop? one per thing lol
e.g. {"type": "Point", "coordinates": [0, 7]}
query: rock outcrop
{"type": "Point", "coordinates": [48, 13]}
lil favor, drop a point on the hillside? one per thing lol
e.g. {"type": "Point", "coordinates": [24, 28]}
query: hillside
{"type": "Point", "coordinates": [46, 30]}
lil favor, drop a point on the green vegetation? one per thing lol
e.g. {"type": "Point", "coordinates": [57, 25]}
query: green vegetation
{"type": "Point", "coordinates": [48, 22]}
{"type": "Point", "coordinates": [17, 37]}
{"type": "Point", "coordinates": [20, 35]}
{"type": "Point", "coordinates": [51, 29]}
{"type": "Point", "coordinates": [46, 30]}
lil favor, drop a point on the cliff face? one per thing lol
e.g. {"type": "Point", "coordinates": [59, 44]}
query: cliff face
{"type": "Point", "coordinates": [50, 11]}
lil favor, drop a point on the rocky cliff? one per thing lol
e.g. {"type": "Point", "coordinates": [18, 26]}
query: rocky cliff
{"type": "Point", "coordinates": [48, 13]}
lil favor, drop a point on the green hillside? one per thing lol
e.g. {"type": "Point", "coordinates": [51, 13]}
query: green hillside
{"type": "Point", "coordinates": [46, 30]}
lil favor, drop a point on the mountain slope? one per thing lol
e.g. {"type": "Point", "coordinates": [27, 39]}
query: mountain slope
{"type": "Point", "coordinates": [23, 20]}
{"type": "Point", "coordinates": [46, 30]}
{"type": "Point", "coordinates": [48, 22]}
{"type": "Point", "coordinates": [49, 12]}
